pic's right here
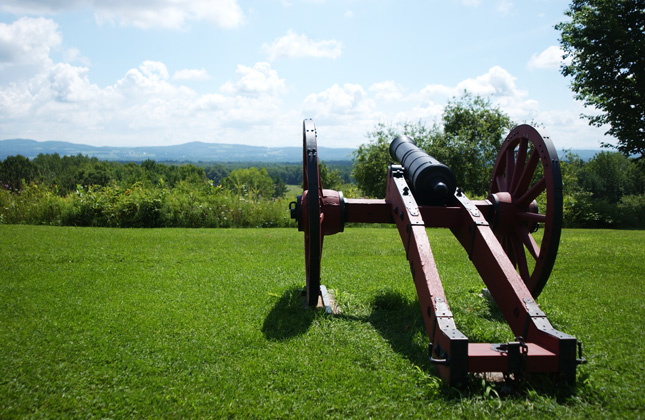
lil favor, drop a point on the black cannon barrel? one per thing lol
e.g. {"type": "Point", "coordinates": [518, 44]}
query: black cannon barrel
{"type": "Point", "coordinates": [432, 182]}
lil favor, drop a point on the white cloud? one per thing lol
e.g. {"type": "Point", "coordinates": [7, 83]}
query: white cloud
{"type": "Point", "coordinates": [145, 106]}
{"type": "Point", "coordinates": [20, 7]}
{"type": "Point", "coordinates": [504, 6]}
{"type": "Point", "coordinates": [191, 75]}
{"type": "Point", "coordinates": [154, 70]}
{"type": "Point", "coordinates": [427, 111]}
{"type": "Point", "coordinates": [44, 99]}
{"type": "Point", "coordinates": [550, 58]}
{"type": "Point", "coordinates": [257, 80]}
{"type": "Point", "coordinates": [151, 78]}
{"type": "Point", "coordinates": [568, 130]}
{"type": "Point", "coordinates": [441, 91]}
{"type": "Point", "coordinates": [74, 55]}
{"type": "Point", "coordinates": [497, 82]}
{"type": "Point", "coordinates": [293, 45]}
{"type": "Point", "coordinates": [71, 84]}
{"type": "Point", "coordinates": [471, 3]}
{"type": "Point", "coordinates": [25, 45]}
{"type": "Point", "coordinates": [349, 14]}
{"type": "Point", "coordinates": [387, 91]}
{"type": "Point", "coordinates": [338, 102]}
{"type": "Point", "coordinates": [171, 14]}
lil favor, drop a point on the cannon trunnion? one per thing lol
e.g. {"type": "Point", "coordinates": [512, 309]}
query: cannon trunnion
{"type": "Point", "coordinates": [500, 235]}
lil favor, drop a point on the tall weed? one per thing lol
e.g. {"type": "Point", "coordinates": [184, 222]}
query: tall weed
{"type": "Point", "coordinates": [185, 205]}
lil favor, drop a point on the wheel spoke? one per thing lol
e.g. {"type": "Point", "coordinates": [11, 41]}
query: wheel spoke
{"type": "Point", "coordinates": [520, 257]}
{"type": "Point", "coordinates": [501, 183]}
{"type": "Point", "coordinates": [528, 241]}
{"type": "Point", "coordinates": [532, 194]}
{"type": "Point", "coordinates": [510, 167]}
{"type": "Point", "coordinates": [520, 162]}
{"type": "Point", "coordinates": [532, 217]}
{"type": "Point", "coordinates": [524, 181]}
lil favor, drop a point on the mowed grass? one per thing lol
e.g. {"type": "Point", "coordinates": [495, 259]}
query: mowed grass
{"type": "Point", "coordinates": [178, 323]}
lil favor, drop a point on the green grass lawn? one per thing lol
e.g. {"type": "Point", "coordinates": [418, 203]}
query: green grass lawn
{"type": "Point", "coordinates": [179, 323]}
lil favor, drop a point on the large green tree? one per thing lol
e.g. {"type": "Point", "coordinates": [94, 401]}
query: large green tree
{"type": "Point", "coordinates": [251, 182]}
{"type": "Point", "coordinates": [605, 41]}
{"type": "Point", "coordinates": [16, 172]}
{"type": "Point", "coordinates": [473, 131]}
{"type": "Point", "coordinates": [329, 178]}
{"type": "Point", "coordinates": [610, 175]}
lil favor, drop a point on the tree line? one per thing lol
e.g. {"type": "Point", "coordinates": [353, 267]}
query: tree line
{"type": "Point", "coordinates": [289, 173]}
{"type": "Point", "coordinates": [64, 174]}
{"type": "Point", "coordinates": [84, 191]}
{"type": "Point", "coordinates": [606, 191]}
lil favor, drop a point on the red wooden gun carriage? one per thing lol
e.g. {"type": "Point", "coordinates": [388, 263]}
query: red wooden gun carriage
{"type": "Point", "coordinates": [513, 257]}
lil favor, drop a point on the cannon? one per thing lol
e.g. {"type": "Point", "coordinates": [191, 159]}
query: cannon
{"type": "Point", "coordinates": [432, 182]}
{"type": "Point", "coordinates": [511, 241]}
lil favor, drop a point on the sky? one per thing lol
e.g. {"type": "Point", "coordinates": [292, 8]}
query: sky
{"type": "Point", "coordinates": [164, 72]}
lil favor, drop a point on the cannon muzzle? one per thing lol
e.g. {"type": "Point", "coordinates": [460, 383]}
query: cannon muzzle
{"type": "Point", "coordinates": [432, 182]}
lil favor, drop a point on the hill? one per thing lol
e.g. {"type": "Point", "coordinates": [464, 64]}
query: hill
{"type": "Point", "coordinates": [189, 152]}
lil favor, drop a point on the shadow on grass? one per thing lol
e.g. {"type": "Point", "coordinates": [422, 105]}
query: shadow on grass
{"type": "Point", "coordinates": [289, 317]}
{"type": "Point", "coordinates": [494, 313]}
{"type": "Point", "coordinates": [399, 321]}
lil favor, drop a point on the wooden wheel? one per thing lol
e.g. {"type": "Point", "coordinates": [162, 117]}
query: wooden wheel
{"type": "Point", "coordinates": [311, 211]}
{"type": "Point", "coordinates": [526, 191]}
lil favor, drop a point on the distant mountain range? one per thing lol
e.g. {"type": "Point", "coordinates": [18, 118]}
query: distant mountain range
{"type": "Point", "coordinates": [189, 152]}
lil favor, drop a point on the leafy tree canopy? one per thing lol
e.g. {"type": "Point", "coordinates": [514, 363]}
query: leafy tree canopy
{"type": "Point", "coordinates": [605, 41]}
{"type": "Point", "coordinates": [16, 171]}
{"type": "Point", "coordinates": [329, 178]}
{"type": "Point", "coordinates": [473, 132]}
{"type": "Point", "coordinates": [251, 182]}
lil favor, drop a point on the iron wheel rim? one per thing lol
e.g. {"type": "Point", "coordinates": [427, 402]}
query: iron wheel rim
{"type": "Point", "coordinates": [313, 227]}
{"type": "Point", "coordinates": [516, 172]}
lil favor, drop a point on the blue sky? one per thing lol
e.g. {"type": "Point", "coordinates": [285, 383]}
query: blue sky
{"type": "Point", "coordinates": [161, 72]}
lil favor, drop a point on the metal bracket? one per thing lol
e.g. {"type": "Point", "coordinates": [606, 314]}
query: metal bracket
{"type": "Point", "coordinates": [477, 216]}
{"type": "Point", "coordinates": [408, 200]}
{"type": "Point", "coordinates": [444, 359]}
{"type": "Point", "coordinates": [580, 360]}
{"type": "Point", "coordinates": [442, 308]}
{"type": "Point", "coordinates": [532, 308]}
